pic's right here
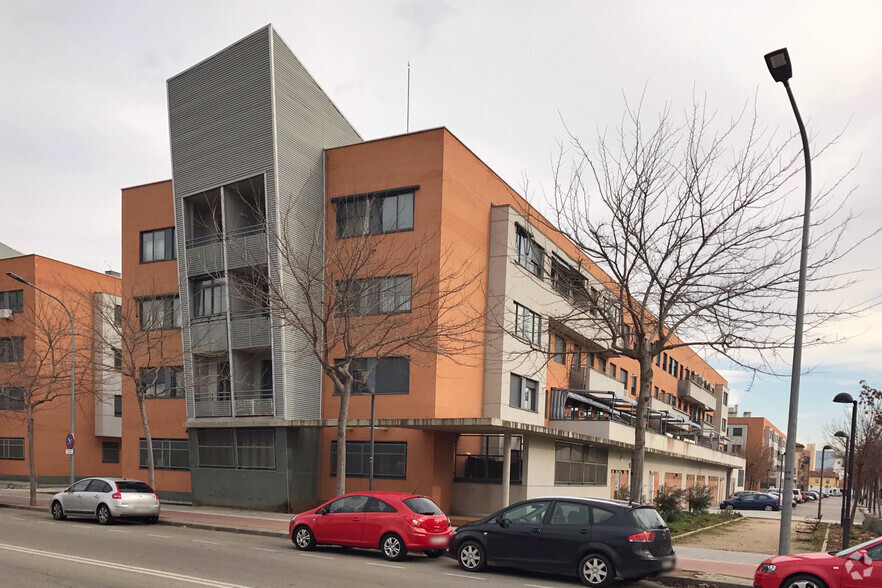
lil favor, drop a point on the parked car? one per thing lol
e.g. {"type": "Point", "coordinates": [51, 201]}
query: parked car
{"type": "Point", "coordinates": [106, 499]}
{"type": "Point", "coordinates": [596, 540]}
{"type": "Point", "coordinates": [812, 495]}
{"type": "Point", "coordinates": [857, 567]}
{"type": "Point", "coordinates": [752, 501]}
{"type": "Point", "coordinates": [393, 522]}
{"type": "Point", "coordinates": [797, 496]}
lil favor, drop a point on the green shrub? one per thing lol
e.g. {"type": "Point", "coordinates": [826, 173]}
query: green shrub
{"type": "Point", "coordinates": [622, 493]}
{"type": "Point", "coordinates": [668, 502]}
{"type": "Point", "coordinates": [699, 498]}
{"type": "Point", "coordinates": [873, 525]}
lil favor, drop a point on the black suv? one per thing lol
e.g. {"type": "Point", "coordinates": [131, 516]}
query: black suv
{"type": "Point", "coordinates": [595, 539]}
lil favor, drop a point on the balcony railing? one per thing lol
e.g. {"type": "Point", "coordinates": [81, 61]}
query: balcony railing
{"type": "Point", "coordinates": [249, 329]}
{"type": "Point", "coordinates": [246, 247]}
{"type": "Point", "coordinates": [205, 255]}
{"type": "Point", "coordinates": [254, 403]}
{"type": "Point", "coordinates": [209, 333]}
{"type": "Point", "coordinates": [212, 404]}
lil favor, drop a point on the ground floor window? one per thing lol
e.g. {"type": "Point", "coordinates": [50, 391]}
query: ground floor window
{"type": "Point", "coordinates": [168, 454]}
{"type": "Point", "coordinates": [390, 459]}
{"type": "Point", "coordinates": [479, 458]}
{"type": "Point", "coordinates": [110, 451]}
{"type": "Point", "coordinates": [244, 449]}
{"type": "Point", "coordinates": [579, 464]}
{"type": "Point", "coordinates": [12, 448]}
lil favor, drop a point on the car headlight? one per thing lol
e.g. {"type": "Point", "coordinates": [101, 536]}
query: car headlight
{"type": "Point", "coordinates": [768, 568]}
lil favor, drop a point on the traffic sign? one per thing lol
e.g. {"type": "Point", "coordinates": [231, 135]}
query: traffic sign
{"type": "Point", "coordinates": [68, 451]}
{"type": "Point", "coordinates": [69, 441]}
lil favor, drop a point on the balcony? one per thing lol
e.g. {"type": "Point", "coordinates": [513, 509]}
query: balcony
{"type": "Point", "coordinates": [692, 390]}
{"type": "Point", "coordinates": [212, 404]}
{"type": "Point", "coordinates": [253, 403]}
{"type": "Point", "coordinates": [205, 256]}
{"type": "Point", "coordinates": [249, 329]}
{"type": "Point", "coordinates": [601, 382]}
{"type": "Point", "coordinates": [209, 333]}
{"type": "Point", "coordinates": [246, 247]}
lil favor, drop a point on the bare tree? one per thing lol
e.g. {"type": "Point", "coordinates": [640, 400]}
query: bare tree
{"type": "Point", "coordinates": [758, 463]}
{"type": "Point", "coordinates": [697, 242]}
{"type": "Point", "coordinates": [35, 358]}
{"type": "Point", "coordinates": [358, 296]}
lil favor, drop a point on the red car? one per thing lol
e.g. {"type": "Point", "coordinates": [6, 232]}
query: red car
{"type": "Point", "coordinates": [393, 522]}
{"type": "Point", "coordinates": [856, 567]}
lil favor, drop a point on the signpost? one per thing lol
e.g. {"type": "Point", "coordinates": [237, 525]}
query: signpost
{"type": "Point", "coordinates": [69, 442]}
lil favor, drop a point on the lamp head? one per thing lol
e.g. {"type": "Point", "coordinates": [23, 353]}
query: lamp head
{"type": "Point", "coordinates": [826, 448]}
{"type": "Point", "coordinates": [17, 278]}
{"type": "Point", "coordinates": [843, 398]}
{"type": "Point", "coordinates": [779, 65]}
{"type": "Point", "coordinates": [840, 434]}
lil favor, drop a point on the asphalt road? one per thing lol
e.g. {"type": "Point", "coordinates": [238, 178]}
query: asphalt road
{"type": "Point", "coordinates": [830, 511]}
{"type": "Point", "coordinates": [37, 551]}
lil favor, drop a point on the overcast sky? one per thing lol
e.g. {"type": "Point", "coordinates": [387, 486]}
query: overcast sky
{"type": "Point", "coordinates": [83, 105]}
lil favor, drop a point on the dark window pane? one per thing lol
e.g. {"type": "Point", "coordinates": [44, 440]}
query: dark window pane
{"type": "Point", "coordinates": [110, 452]}
{"type": "Point", "coordinates": [422, 505]}
{"type": "Point", "coordinates": [132, 487]}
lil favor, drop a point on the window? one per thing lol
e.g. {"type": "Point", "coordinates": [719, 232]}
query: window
{"type": "Point", "coordinates": [571, 513]}
{"type": "Point", "coordinates": [528, 325]}
{"type": "Point", "coordinates": [164, 382]}
{"type": "Point", "coordinates": [655, 391]}
{"type": "Point", "coordinates": [158, 245]}
{"type": "Point", "coordinates": [612, 370]}
{"type": "Point", "coordinates": [377, 505]}
{"type": "Point", "coordinates": [244, 449]}
{"type": "Point", "coordinates": [601, 364]}
{"type": "Point", "coordinates": [11, 398]}
{"type": "Point", "coordinates": [168, 454]}
{"type": "Point", "coordinates": [530, 254]}
{"type": "Point", "coordinates": [523, 393]}
{"type": "Point", "coordinates": [665, 361]}
{"type": "Point", "coordinates": [623, 377]}
{"type": "Point", "coordinates": [372, 296]}
{"type": "Point", "coordinates": [530, 513]}
{"type": "Point", "coordinates": [110, 452]}
{"type": "Point", "coordinates": [560, 351]}
{"type": "Point", "coordinates": [12, 448]}
{"type": "Point", "coordinates": [98, 487]}
{"type": "Point", "coordinates": [159, 313]}
{"type": "Point", "coordinates": [634, 385]}
{"type": "Point", "coordinates": [12, 300]}
{"type": "Point", "coordinates": [390, 376]}
{"type": "Point", "coordinates": [726, 398]}
{"type": "Point", "coordinates": [579, 464]}
{"type": "Point", "coordinates": [566, 280]}
{"type": "Point", "coordinates": [117, 405]}
{"type": "Point", "coordinates": [11, 349]}
{"type": "Point", "coordinates": [390, 459]}
{"type": "Point", "coordinates": [737, 432]}
{"type": "Point", "coordinates": [117, 358]}
{"type": "Point", "coordinates": [348, 504]}
{"type": "Point", "coordinates": [209, 297]}
{"type": "Point", "coordinates": [374, 214]}
{"type": "Point", "coordinates": [117, 315]}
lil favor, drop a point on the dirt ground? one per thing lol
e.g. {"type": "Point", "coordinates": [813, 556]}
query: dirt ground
{"type": "Point", "coordinates": [748, 535]}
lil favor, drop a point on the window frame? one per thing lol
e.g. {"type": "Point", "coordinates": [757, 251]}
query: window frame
{"type": "Point", "coordinates": [7, 302]}
{"type": "Point", "coordinates": [559, 353]}
{"type": "Point", "coordinates": [528, 253]}
{"type": "Point", "coordinates": [364, 456]}
{"type": "Point", "coordinates": [117, 405]}
{"type": "Point", "coordinates": [373, 207]}
{"type": "Point", "coordinates": [175, 382]}
{"type": "Point", "coordinates": [6, 443]}
{"type": "Point", "coordinates": [166, 232]}
{"type": "Point", "coordinates": [170, 306]}
{"type": "Point", "coordinates": [372, 296]}
{"type": "Point", "coordinates": [7, 402]}
{"type": "Point", "coordinates": [11, 349]}
{"type": "Point", "coordinates": [164, 445]}
{"type": "Point", "coordinates": [208, 292]}
{"type": "Point", "coordinates": [585, 463]}
{"type": "Point", "coordinates": [524, 315]}
{"type": "Point", "coordinates": [358, 365]}
{"type": "Point", "coordinates": [105, 445]}
{"type": "Point", "coordinates": [523, 388]}
{"type": "Point", "coordinates": [234, 449]}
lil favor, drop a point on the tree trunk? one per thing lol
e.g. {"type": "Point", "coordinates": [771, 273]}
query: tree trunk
{"type": "Point", "coordinates": [32, 470]}
{"type": "Point", "coordinates": [342, 419]}
{"type": "Point", "coordinates": [148, 439]}
{"type": "Point", "coordinates": [637, 459]}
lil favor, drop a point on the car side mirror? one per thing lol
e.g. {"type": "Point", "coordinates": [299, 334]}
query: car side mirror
{"type": "Point", "coordinates": [503, 522]}
{"type": "Point", "coordinates": [325, 511]}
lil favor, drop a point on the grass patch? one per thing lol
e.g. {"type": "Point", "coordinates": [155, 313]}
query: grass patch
{"type": "Point", "coordinates": [694, 522]}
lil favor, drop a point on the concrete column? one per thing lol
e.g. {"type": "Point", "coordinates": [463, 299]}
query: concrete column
{"type": "Point", "coordinates": [506, 469]}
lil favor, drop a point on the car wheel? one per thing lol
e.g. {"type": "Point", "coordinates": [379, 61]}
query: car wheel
{"type": "Point", "coordinates": [58, 511]}
{"type": "Point", "coordinates": [104, 516]}
{"type": "Point", "coordinates": [730, 507]}
{"type": "Point", "coordinates": [471, 557]}
{"type": "Point", "coordinates": [393, 547]}
{"type": "Point", "coordinates": [434, 552]}
{"type": "Point", "coordinates": [303, 538]}
{"type": "Point", "coordinates": [596, 570]}
{"type": "Point", "coordinates": [803, 581]}
{"type": "Point", "coordinates": [769, 508]}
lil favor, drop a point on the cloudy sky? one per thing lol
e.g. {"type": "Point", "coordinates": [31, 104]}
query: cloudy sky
{"type": "Point", "coordinates": [83, 106]}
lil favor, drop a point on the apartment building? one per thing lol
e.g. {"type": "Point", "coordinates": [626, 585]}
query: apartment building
{"type": "Point", "coordinates": [748, 431]}
{"type": "Point", "coordinates": [29, 320]}
{"type": "Point", "coordinates": [249, 420]}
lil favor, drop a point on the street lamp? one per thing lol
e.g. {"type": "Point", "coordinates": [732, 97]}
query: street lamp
{"type": "Point", "coordinates": [842, 435]}
{"type": "Point", "coordinates": [780, 67]}
{"type": "Point", "coordinates": [18, 278]}
{"type": "Point", "coordinates": [821, 483]}
{"type": "Point", "coordinates": [845, 398]}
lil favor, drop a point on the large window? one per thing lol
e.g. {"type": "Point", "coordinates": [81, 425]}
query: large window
{"type": "Point", "coordinates": [391, 375]}
{"type": "Point", "coordinates": [530, 254]}
{"type": "Point", "coordinates": [528, 324]}
{"type": "Point", "coordinates": [244, 449]}
{"type": "Point", "coordinates": [168, 454]}
{"type": "Point", "coordinates": [159, 313]}
{"type": "Point", "coordinates": [163, 382]}
{"type": "Point", "coordinates": [110, 451]}
{"type": "Point", "coordinates": [523, 393]}
{"type": "Point", "coordinates": [12, 300]}
{"type": "Point", "coordinates": [373, 214]}
{"type": "Point", "coordinates": [209, 297]}
{"type": "Point", "coordinates": [12, 448]}
{"type": "Point", "coordinates": [11, 398]}
{"type": "Point", "coordinates": [11, 349]}
{"type": "Point", "coordinates": [579, 464]}
{"type": "Point", "coordinates": [372, 296]}
{"type": "Point", "coordinates": [117, 405]}
{"type": "Point", "coordinates": [390, 459]}
{"type": "Point", "coordinates": [560, 351]}
{"type": "Point", "coordinates": [158, 245]}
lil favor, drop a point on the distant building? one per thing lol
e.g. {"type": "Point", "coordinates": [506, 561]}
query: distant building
{"type": "Point", "coordinates": [748, 430]}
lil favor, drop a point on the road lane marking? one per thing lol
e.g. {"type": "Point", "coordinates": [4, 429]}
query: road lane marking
{"type": "Point", "coordinates": [537, 586]}
{"type": "Point", "coordinates": [16, 519]}
{"type": "Point", "coordinates": [46, 522]}
{"type": "Point", "coordinates": [118, 531]}
{"type": "Point", "coordinates": [264, 549]}
{"type": "Point", "coordinates": [121, 567]}
{"type": "Point", "coordinates": [385, 566]}
{"type": "Point", "coordinates": [160, 536]}
{"type": "Point", "coordinates": [464, 576]}
{"type": "Point", "coordinates": [201, 541]}
{"type": "Point", "coordinates": [316, 556]}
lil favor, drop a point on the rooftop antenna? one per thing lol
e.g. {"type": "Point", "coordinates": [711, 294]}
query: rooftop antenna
{"type": "Point", "coordinates": [407, 125]}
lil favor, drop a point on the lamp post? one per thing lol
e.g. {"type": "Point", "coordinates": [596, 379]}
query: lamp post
{"type": "Point", "coordinates": [18, 278]}
{"type": "Point", "coordinates": [373, 394]}
{"type": "Point", "coordinates": [780, 67]}
{"type": "Point", "coordinates": [845, 398]}
{"type": "Point", "coordinates": [842, 435]}
{"type": "Point", "coordinates": [821, 483]}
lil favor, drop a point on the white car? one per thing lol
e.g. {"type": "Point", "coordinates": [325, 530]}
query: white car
{"type": "Point", "coordinates": [106, 499]}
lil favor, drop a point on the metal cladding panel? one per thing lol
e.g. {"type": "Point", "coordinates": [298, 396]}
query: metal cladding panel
{"type": "Point", "coordinates": [307, 122]}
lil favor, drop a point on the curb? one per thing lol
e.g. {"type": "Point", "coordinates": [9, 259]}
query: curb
{"type": "Point", "coordinates": [24, 507]}
{"type": "Point", "coordinates": [677, 581]}
{"type": "Point", "coordinates": [675, 537]}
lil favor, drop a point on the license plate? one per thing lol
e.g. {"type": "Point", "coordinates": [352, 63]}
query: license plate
{"type": "Point", "coordinates": [437, 540]}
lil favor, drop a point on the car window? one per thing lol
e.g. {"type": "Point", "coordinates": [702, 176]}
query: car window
{"type": "Point", "coordinates": [422, 505]}
{"type": "Point", "coordinates": [875, 552]}
{"type": "Point", "coordinates": [80, 486]}
{"type": "Point", "coordinates": [98, 486]}
{"type": "Point", "coordinates": [530, 513]}
{"type": "Point", "coordinates": [648, 518]}
{"type": "Point", "coordinates": [134, 487]}
{"type": "Point", "coordinates": [376, 505]}
{"type": "Point", "coordinates": [599, 515]}
{"type": "Point", "coordinates": [748, 497]}
{"type": "Point", "coordinates": [570, 513]}
{"type": "Point", "coordinates": [348, 504]}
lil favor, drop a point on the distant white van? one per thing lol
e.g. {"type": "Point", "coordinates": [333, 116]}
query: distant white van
{"type": "Point", "coordinates": [832, 492]}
